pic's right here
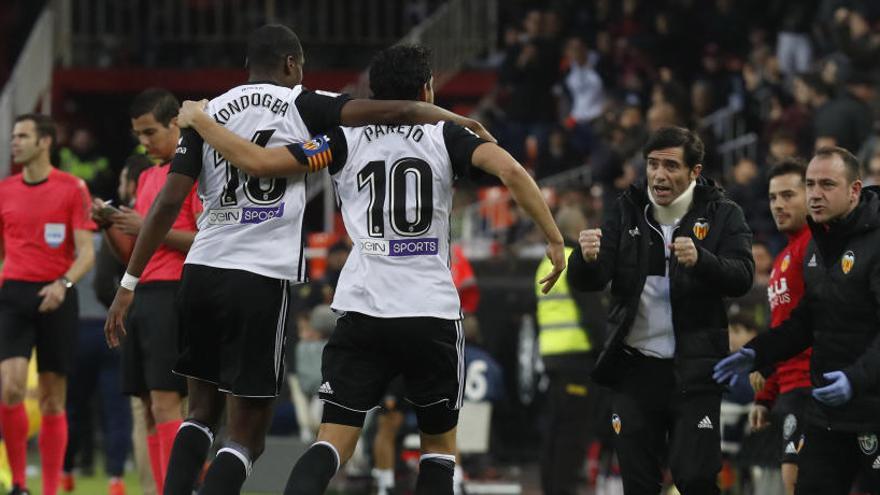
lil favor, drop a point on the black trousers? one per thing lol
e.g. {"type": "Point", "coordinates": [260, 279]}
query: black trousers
{"type": "Point", "coordinates": [654, 422]}
{"type": "Point", "coordinates": [830, 461]}
{"type": "Point", "coordinates": [569, 425]}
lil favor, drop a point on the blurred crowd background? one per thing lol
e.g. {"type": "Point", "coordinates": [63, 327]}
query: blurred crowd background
{"type": "Point", "coordinates": [571, 88]}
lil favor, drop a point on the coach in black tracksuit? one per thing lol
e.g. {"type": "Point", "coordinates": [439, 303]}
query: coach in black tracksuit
{"type": "Point", "coordinates": [839, 316]}
{"type": "Point", "coordinates": [672, 249]}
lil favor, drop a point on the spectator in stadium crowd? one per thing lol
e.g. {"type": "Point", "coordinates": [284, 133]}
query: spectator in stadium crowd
{"type": "Point", "coordinates": [46, 248]}
{"type": "Point", "coordinates": [749, 190]}
{"type": "Point", "coordinates": [529, 71]}
{"type": "Point", "coordinates": [570, 327]}
{"type": "Point", "coordinates": [839, 316]}
{"type": "Point", "coordinates": [786, 391]}
{"type": "Point", "coordinates": [108, 273]}
{"type": "Point", "coordinates": [149, 349]}
{"type": "Point", "coordinates": [845, 119]}
{"type": "Point", "coordinates": [583, 87]}
{"type": "Point", "coordinates": [672, 248]}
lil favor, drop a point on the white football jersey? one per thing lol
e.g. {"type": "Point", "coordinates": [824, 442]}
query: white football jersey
{"type": "Point", "coordinates": [394, 184]}
{"type": "Point", "coordinates": [249, 223]}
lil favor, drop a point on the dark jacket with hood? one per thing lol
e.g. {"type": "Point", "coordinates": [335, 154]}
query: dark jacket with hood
{"type": "Point", "coordinates": [839, 315]}
{"type": "Point", "coordinates": [632, 248]}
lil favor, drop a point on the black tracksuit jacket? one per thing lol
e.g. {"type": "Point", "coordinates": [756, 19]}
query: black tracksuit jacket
{"type": "Point", "coordinates": [632, 248]}
{"type": "Point", "coordinates": [839, 315]}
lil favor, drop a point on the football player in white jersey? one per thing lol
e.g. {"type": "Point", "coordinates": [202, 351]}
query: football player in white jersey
{"type": "Point", "coordinates": [401, 311]}
{"type": "Point", "coordinates": [234, 289]}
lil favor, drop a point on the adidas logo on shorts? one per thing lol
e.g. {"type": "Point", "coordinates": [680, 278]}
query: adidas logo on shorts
{"type": "Point", "coordinates": [705, 423]}
{"type": "Point", "coordinates": [325, 388]}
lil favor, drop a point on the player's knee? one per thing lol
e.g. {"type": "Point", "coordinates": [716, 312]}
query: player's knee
{"type": "Point", "coordinates": [165, 408]}
{"type": "Point", "coordinates": [51, 404]}
{"type": "Point", "coordinates": [13, 393]}
{"type": "Point", "coordinates": [436, 419]}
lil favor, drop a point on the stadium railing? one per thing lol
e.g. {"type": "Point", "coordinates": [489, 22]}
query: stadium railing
{"type": "Point", "coordinates": [457, 32]}
{"type": "Point", "coordinates": [28, 87]}
{"type": "Point", "coordinates": [90, 25]}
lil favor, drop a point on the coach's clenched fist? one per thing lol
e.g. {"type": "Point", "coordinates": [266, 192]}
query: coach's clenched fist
{"type": "Point", "coordinates": [590, 241]}
{"type": "Point", "coordinates": [685, 251]}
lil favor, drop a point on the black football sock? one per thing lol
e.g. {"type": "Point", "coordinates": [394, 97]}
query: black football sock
{"type": "Point", "coordinates": [312, 472]}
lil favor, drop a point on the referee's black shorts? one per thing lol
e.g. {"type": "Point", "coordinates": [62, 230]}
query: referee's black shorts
{"type": "Point", "coordinates": [233, 330]}
{"type": "Point", "coordinates": [23, 327]}
{"type": "Point", "coordinates": [149, 349]}
{"type": "Point", "coordinates": [365, 353]}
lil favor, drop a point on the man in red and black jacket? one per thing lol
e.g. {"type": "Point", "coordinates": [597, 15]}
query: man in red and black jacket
{"type": "Point", "coordinates": [787, 390]}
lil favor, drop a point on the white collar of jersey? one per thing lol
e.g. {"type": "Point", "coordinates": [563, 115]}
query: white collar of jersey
{"type": "Point", "coordinates": [673, 212]}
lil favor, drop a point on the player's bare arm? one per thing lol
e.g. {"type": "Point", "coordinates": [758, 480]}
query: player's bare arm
{"type": "Point", "coordinates": [248, 157]}
{"type": "Point", "coordinates": [53, 294]}
{"type": "Point", "coordinates": [360, 112]}
{"type": "Point", "coordinates": [498, 162]}
{"type": "Point", "coordinates": [162, 215]}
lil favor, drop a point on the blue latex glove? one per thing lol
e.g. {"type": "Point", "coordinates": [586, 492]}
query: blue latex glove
{"type": "Point", "coordinates": [727, 370]}
{"type": "Point", "coordinates": [836, 393]}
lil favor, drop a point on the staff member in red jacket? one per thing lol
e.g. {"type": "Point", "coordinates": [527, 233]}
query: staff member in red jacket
{"type": "Point", "coordinates": [46, 248]}
{"type": "Point", "coordinates": [787, 390]}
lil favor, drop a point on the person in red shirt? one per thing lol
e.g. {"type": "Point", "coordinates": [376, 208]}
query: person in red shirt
{"type": "Point", "coordinates": [149, 350]}
{"type": "Point", "coordinates": [787, 390]}
{"type": "Point", "coordinates": [46, 248]}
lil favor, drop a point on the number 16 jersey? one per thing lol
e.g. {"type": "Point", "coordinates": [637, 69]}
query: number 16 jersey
{"type": "Point", "coordinates": [394, 184]}
{"type": "Point", "coordinates": [249, 223]}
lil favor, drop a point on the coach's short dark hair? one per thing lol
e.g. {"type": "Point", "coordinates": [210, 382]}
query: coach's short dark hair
{"type": "Point", "coordinates": [160, 102]}
{"type": "Point", "coordinates": [853, 169]}
{"type": "Point", "coordinates": [43, 124]}
{"type": "Point", "coordinates": [400, 72]}
{"type": "Point", "coordinates": [270, 45]}
{"type": "Point", "coordinates": [788, 166]}
{"type": "Point", "coordinates": [674, 137]}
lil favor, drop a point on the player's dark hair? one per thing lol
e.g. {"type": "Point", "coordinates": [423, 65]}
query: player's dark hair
{"type": "Point", "coordinates": [270, 45]}
{"type": "Point", "coordinates": [136, 164]}
{"type": "Point", "coordinates": [788, 166]}
{"type": "Point", "coordinates": [160, 102]}
{"type": "Point", "coordinates": [43, 124]}
{"type": "Point", "coordinates": [675, 137]}
{"type": "Point", "coordinates": [853, 169]}
{"type": "Point", "coordinates": [400, 72]}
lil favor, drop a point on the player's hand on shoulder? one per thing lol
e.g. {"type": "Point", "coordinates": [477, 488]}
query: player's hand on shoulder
{"type": "Point", "coordinates": [591, 242]}
{"type": "Point", "coordinates": [189, 111]}
{"type": "Point", "coordinates": [556, 254]}
{"type": "Point", "coordinates": [114, 327]}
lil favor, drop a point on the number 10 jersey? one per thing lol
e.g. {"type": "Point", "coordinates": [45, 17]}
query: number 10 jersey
{"type": "Point", "coordinates": [394, 184]}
